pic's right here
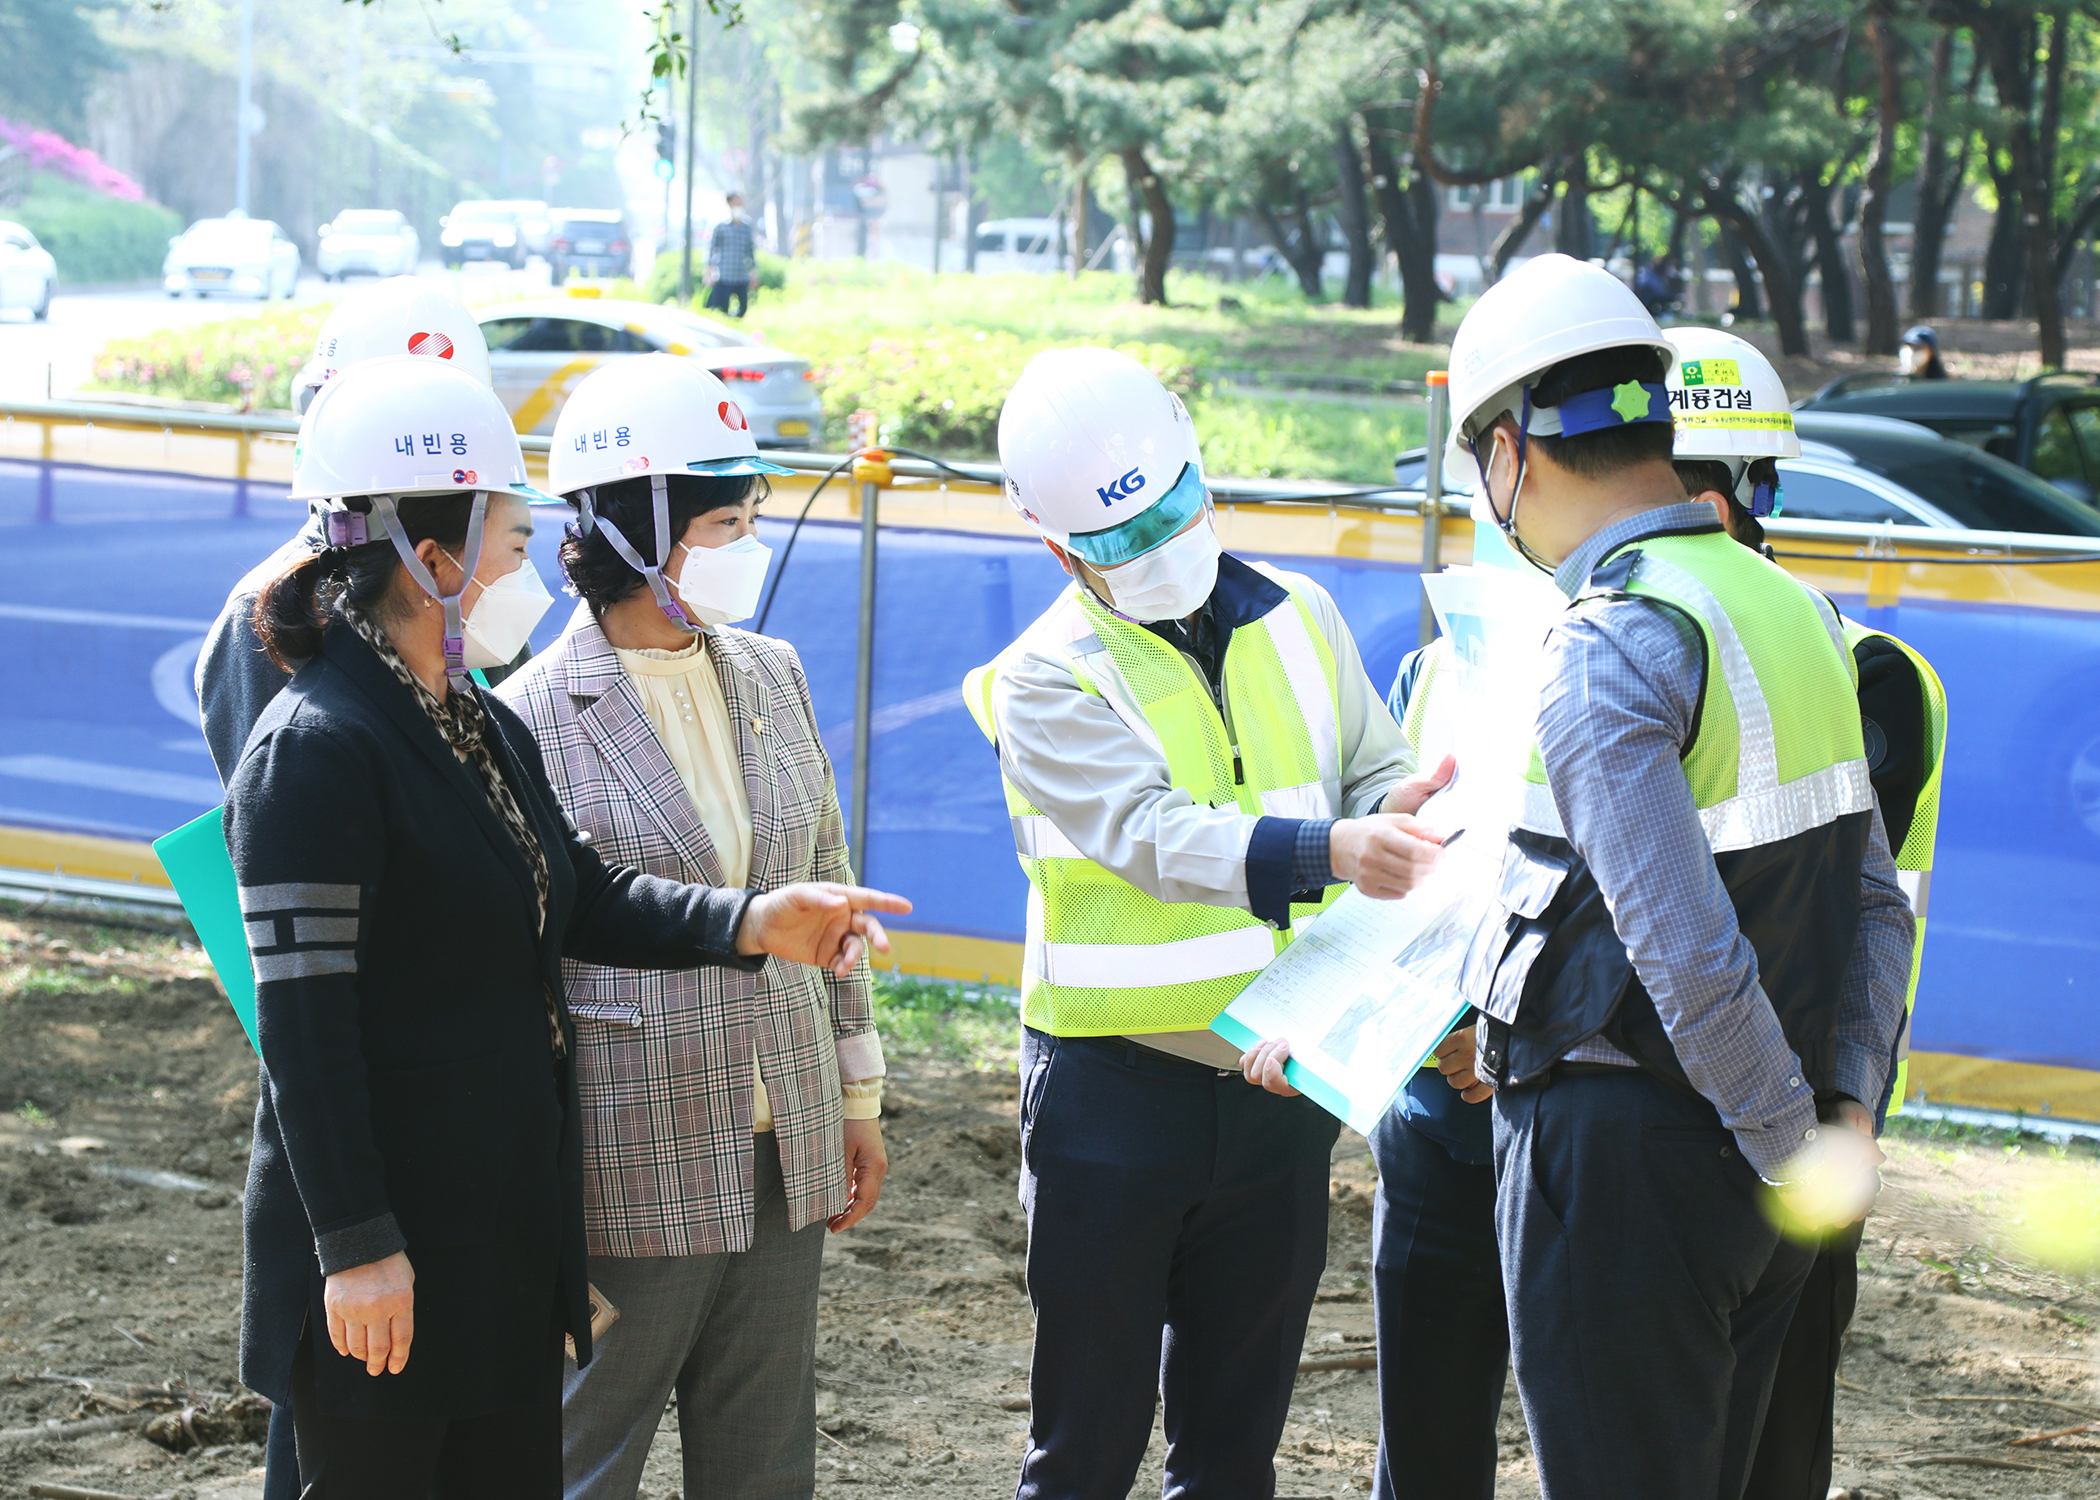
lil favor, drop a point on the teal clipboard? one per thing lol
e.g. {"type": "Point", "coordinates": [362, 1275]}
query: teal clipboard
{"type": "Point", "coordinates": [201, 871]}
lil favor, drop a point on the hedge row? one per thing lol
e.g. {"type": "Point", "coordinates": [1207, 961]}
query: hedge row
{"type": "Point", "coordinates": [92, 237]}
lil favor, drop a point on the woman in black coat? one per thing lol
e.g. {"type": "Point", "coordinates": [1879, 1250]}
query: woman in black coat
{"type": "Point", "coordinates": [415, 1245]}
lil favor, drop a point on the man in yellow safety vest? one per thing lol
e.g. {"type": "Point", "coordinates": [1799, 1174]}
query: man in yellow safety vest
{"type": "Point", "coordinates": [1733, 424]}
{"type": "Point", "coordinates": [1193, 759]}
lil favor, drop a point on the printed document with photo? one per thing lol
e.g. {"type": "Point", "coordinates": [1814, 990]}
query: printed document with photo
{"type": "Point", "coordinates": [1370, 987]}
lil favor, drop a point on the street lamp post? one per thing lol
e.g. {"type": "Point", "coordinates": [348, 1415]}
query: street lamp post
{"type": "Point", "coordinates": [243, 118]}
{"type": "Point", "coordinates": [692, 141]}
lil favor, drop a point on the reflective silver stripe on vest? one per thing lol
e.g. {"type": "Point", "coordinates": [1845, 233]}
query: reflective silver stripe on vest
{"type": "Point", "coordinates": [1917, 889]}
{"type": "Point", "coordinates": [1039, 838]}
{"type": "Point", "coordinates": [1762, 811]}
{"type": "Point", "coordinates": [1747, 820]}
{"type": "Point", "coordinates": [1128, 966]}
{"type": "Point", "coordinates": [1301, 668]}
{"type": "Point", "coordinates": [1308, 801]}
{"type": "Point", "coordinates": [1832, 625]}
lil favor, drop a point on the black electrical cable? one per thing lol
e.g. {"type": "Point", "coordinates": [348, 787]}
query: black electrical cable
{"type": "Point", "coordinates": [789, 550]}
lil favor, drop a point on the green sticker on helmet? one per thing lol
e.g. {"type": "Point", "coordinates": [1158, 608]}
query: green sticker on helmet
{"type": "Point", "coordinates": [1630, 401]}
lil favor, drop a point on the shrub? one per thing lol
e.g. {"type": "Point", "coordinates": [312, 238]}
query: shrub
{"type": "Point", "coordinates": [248, 361]}
{"type": "Point", "coordinates": [94, 237]}
{"type": "Point", "coordinates": [662, 285]}
{"type": "Point", "coordinates": [941, 391]}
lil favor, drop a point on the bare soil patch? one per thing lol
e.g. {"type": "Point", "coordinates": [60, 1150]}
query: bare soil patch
{"type": "Point", "coordinates": [118, 1054]}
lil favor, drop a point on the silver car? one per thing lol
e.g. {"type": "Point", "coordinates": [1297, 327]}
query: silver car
{"type": "Point", "coordinates": [539, 349]}
{"type": "Point", "coordinates": [376, 241]}
{"type": "Point", "coordinates": [247, 257]}
{"type": "Point", "coordinates": [27, 271]}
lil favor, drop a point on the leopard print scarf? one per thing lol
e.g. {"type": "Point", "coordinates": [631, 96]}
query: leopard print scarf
{"type": "Point", "coordinates": [462, 722]}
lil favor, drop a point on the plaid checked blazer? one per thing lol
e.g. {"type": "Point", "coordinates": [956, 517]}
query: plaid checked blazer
{"type": "Point", "coordinates": [664, 1059]}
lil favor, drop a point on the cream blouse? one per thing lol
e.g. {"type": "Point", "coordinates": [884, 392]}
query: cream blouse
{"type": "Point", "coordinates": [683, 698]}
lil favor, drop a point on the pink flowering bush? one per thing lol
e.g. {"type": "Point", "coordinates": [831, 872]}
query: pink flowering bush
{"type": "Point", "coordinates": [50, 152]}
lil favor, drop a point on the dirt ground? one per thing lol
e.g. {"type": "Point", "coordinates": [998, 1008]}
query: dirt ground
{"type": "Point", "coordinates": [118, 1055]}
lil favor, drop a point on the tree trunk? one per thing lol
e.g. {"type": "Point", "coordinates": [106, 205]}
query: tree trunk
{"type": "Point", "coordinates": [1076, 235]}
{"type": "Point", "coordinates": [1874, 206]}
{"type": "Point", "coordinates": [1571, 225]}
{"type": "Point", "coordinates": [1518, 230]}
{"type": "Point", "coordinates": [1749, 303]}
{"type": "Point", "coordinates": [1830, 259]}
{"type": "Point", "coordinates": [1410, 217]}
{"type": "Point", "coordinates": [1159, 244]}
{"type": "Point", "coordinates": [2011, 46]}
{"type": "Point", "coordinates": [1936, 192]}
{"type": "Point", "coordinates": [1355, 215]}
{"type": "Point", "coordinates": [1296, 246]}
{"type": "Point", "coordinates": [1781, 290]}
{"type": "Point", "coordinates": [2003, 278]}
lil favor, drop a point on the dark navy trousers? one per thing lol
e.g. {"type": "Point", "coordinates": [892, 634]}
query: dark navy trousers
{"type": "Point", "coordinates": [1177, 1228]}
{"type": "Point", "coordinates": [1443, 1332]}
{"type": "Point", "coordinates": [1649, 1295]}
{"type": "Point", "coordinates": [1795, 1454]}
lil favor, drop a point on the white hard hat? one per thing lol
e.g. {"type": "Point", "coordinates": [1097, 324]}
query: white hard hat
{"type": "Point", "coordinates": [1728, 400]}
{"type": "Point", "coordinates": [1549, 309]}
{"type": "Point", "coordinates": [1090, 440]}
{"type": "Point", "coordinates": [400, 315]}
{"type": "Point", "coordinates": [406, 425]}
{"type": "Point", "coordinates": [650, 414]}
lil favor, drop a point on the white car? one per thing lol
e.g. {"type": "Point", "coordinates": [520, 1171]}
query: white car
{"type": "Point", "coordinates": [376, 241]}
{"type": "Point", "coordinates": [539, 349]}
{"type": "Point", "coordinates": [27, 271]}
{"type": "Point", "coordinates": [1019, 245]}
{"type": "Point", "coordinates": [248, 257]}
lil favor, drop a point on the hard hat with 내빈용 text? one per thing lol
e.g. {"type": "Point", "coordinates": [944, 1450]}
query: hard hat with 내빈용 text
{"type": "Point", "coordinates": [1549, 309]}
{"type": "Point", "coordinates": [1727, 400]}
{"type": "Point", "coordinates": [400, 315]}
{"type": "Point", "coordinates": [1089, 441]}
{"type": "Point", "coordinates": [407, 425]}
{"type": "Point", "coordinates": [649, 414]}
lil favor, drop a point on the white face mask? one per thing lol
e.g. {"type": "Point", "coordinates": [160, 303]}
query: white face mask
{"type": "Point", "coordinates": [1907, 359]}
{"type": "Point", "coordinates": [501, 619]}
{"type": "Point", "coordinates": [1169, 582]}
{"type": "Point", "coordinates": [721, 585]}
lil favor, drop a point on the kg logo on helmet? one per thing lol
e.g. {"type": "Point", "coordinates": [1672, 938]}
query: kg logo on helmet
{"type": "Point", "coordinates": [437, 344]}
{"type": "Point", "coordinates": [732, 417]}
{"type": "Point", "coordinates": [1121, 488]}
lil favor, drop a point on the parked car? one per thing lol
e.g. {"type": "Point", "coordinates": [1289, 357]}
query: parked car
{"type": "Point", "coordinates": [535, 224]}
{"type": "Point", "coordinates": [249, 257]}
{"type": "Point", "coordinates": [539, 349]}
{"type": "Point", "coordinates": [591, 240]}
{"type": "Point", "coordinates": [1876, 470]}
{"type": "Point", "coordinates": [376, 241]}
{"type": "Point", "coordinates": [483, 230]}
{"type": "Point", "coordinates": [27, 271]}
{"type": "Point", "coordinates": [1019, 245]}
{"type": "Point", "coordinates": [2049, 425]}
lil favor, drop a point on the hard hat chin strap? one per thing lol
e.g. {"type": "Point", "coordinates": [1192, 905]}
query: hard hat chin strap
{"type": "Point", "coordinates": [652, 573]}
{"type": "Point", "coordinates": [455, 617]}
{"type": "Point", "coordinates": [1508, 524]}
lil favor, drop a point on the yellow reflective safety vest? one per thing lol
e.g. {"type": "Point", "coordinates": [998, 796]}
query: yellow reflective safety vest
{"type": "Point", "coordinates": [1104, 958]}
{"type": "Point", "coordinates": [1903, 710]}
{"type": "Point", "coordinates": [1778, 772]}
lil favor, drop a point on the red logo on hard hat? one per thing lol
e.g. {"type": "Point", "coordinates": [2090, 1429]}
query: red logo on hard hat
{"type": "Point", "coordinates": [635, 465]}
{"type": "Point", "coordinates": [463, 476]}
{"type": "Point", "coordinates": [430, 343]}
{"type": "Point", "coordinates": [732, 417]}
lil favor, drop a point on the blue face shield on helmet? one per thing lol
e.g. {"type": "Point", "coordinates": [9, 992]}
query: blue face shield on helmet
{"type": "Point", "coordinates": [1147, 529]}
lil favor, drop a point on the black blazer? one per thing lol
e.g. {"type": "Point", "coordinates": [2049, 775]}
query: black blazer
{"type": "Point", "coordinates": [410, 1097]}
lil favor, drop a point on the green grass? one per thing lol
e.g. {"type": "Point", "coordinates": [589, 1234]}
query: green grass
{"type": "Point", "coordinates": [976, 1026]}
{"type": "Point", "coordinates": [1935, 1132]}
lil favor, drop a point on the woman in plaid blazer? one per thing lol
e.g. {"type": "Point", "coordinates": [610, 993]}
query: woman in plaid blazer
{"type": "Point", "coordinates": [696, 756]}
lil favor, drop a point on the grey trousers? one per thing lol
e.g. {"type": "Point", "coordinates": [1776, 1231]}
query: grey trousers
{"type": "Point", "coordinates": [733, 1337]}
